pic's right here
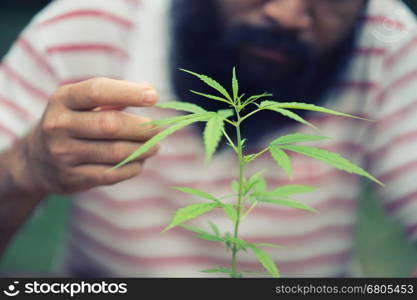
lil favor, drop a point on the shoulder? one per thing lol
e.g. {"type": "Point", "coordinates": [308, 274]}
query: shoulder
{"type": "Point", "coordinates": [70, 21]}
{"type": "Point", "coordinates": [388, 43]}
{"type": "Point", "coordinates": [67, 32]}
{"type": "Point", "coordinates": [120, 11]}
{"type": "Point", "coordinates": [389, 25]}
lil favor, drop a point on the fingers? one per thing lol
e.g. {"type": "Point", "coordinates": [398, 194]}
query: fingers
{"type": "Point", "coordinates": [98, 175]}
{"type": "Point", "coordinates": [104, 108]}
{"type": "Point", "coordinates": [104, 152]}
{"type": "Point", "coordinates": [83, 134]}
{"type": "Point", "coordinates": [97, 92]}
{"type": "Point", "coordinates": [111, 125]}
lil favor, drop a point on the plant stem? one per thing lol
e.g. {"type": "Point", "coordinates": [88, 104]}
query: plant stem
{"type": "Point", "coordinates": [230, 140]}
{"type": "Point", "coordinates": [230, 122]}
{"type": "Point", "coordinates": [260, 153]}
{"type": "Point", "coordinates": [240, 193]}
{"type": "Point", "coordinates": [249, 210]}
{"type": "Point", "coordinates": [251, 114]}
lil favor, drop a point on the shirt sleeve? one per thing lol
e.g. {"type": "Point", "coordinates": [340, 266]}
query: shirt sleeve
{"type": "Point", "coordinates": [67, 42]}
{"type": "Point", "coordinates": [392, 140]}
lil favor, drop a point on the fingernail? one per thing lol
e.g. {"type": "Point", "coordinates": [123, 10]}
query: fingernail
{"type": "Point", "coordinates": [150, 97]}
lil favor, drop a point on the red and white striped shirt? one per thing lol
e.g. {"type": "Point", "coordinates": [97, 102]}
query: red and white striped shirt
{"type": "Point", "coordinates": [115, 230]}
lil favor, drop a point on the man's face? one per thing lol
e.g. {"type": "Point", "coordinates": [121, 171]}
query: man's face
{"type": "Point", "coordinates": [295, 49]}
{"type": "Point", "coordinates": [320, 24]}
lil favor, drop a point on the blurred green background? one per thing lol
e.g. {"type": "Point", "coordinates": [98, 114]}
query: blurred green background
{"type": "Point", "coordinates": [380, 248]}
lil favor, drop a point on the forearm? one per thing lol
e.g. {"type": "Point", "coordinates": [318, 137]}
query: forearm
{"type": "Point", "coordinates": [17, 198]}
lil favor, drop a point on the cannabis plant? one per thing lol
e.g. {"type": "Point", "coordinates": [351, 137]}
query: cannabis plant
{"type": "Point", "coordinates": [248, 192]}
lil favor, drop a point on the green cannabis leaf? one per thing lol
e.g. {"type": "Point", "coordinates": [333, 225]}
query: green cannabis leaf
{"type": "Point", "coordinates": [297, 138]}
{"type": "Point", "coordinates": [254, 98]}
{"type": "Point", "coordinates": [183, 106]}
{"type": "Point", "coordinates": [304, 106]}
{"type": "Point", "coordinates": [171, 120]}
{"type": "Point", "coordinates": [219, 270]}
{"type": "Point", "coordinates": [286, 203]}
{"type": "Point", "coordinates": [198, 193]}
{"type": "Point", "coordinates": [266, 261]}
{"type": "Point", "coordinates": [153, 141]}
{"type": "Point", "coordinates": [235, 85]}
{"type": "Point", "coordinates": [215, 229]}
{"type": "Point", "coordinates": [266, 245]}
{"type": "Point", "coordinates": [291, 115]}
{"type": "Point", "coordinates": [210, 237]}
{"type": "Point", "coordinates": [282, 159]}
{"type": "Point", "coordinates": [209, 96]}
{"type": "Point", "coordinates": [212, 83]}
{"type": "Point", "coordinates": [212, 135]}
{"type": "Point", "coordinates": [190, 212]}
{"type": "Point", "coordinates": [330, 158]}
{"type": "Point", "coordinates": [202, 234]}
{"type": "Point", "coordinates": [288, 190]}
{"type": "Point", "coordinates": [230, 212]}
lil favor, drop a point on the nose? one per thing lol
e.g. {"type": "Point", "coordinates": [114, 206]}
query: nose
{"type": "Point", "coordinates": [290, 14]}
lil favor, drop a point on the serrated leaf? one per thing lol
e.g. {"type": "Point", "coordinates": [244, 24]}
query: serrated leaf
{"type": "Point", "coordinates": [234, 185]}
{"type": "Point", "coordinates": [297, 138]}
{"type": "Point", "coordinates": [254, 272]}
{"type": "Point", "coordinates": [157, 138]}
{"type": "Point", "coordinates": [197, 192]}
{"type": "Point", "coordinates": [289, 114]}
{"type": "Point", "coordinates": [291, 189]}
{"type": "Point", "coordinates": [230, 212]}
{"type": "Point", "coordinates": [210, 237]}
{"type": "Point", "coordinates": [218, 270]}
{"type": "Point", "coordinates": [254, 179]}
{"type": "Point", "coordinates": [239, 99]}
{"type": "Point", "coordinates": [169, 121]}
{"type": "Point", "coordinates": [266, 262]}
{"type": "Point", "coordinates": [227, 236]}
{"type": "Point", "coordinates": [259, 186]}
{"type": "Point", "coordinates": [254, 98]}
{"type": "Point", "coordinates": [182, 106]}
{"type": "Point", "coordinates": [306, 106]}
{"type": "Point", "coordinates": [282, 159]}
{"type": "Point", "coordinates": [193, 229]}
{"type": "Point", "coordinates": [235, 86]}
{"type": "Point", "coordinates": [211, 82]}
{"type": "Point", "coordinates": [209, 96]}
{"type": "Point", "coordinates": [226, 113]}
{"type": "Point", "coordinates": [213, 133]}
{"type": "Point", "coordinates": [266, 245]}
{"type": "Point", "coordinates": [285, 203]}
{"type": "Point", "coordinates": [330, 158]}
{"type": "Point", "coordinates": [256, 176]}
{"type": "Point", "coordinates": [214, 228]}
{"type": "Point", "coordinates": [202, 234]}
{"type": "Point", "coordinates": [190, 212]}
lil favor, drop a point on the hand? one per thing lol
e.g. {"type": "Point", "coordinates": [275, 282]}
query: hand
{"type": "Point", "coordinates": [80, 137]}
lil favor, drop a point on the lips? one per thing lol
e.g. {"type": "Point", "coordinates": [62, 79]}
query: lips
{"type": "Point", "coordinates": [274, 55]}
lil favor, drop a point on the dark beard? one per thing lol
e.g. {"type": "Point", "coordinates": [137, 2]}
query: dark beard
{"type": "Point", "coordinates": [200, 43]}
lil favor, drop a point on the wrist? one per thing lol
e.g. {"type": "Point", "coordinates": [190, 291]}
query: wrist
{"type": "Point", "coordinates": [22, 174]}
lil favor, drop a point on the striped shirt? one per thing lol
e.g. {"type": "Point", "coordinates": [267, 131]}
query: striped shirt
{"type": "Point", "coordinates": [115, 230]}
